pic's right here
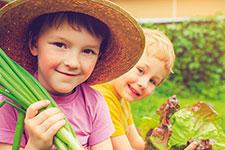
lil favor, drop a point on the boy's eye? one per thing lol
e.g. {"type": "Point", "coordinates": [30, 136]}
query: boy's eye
{"type": "Point", "coordinates": [152, 81]}
{"type": "Point", "coordinates": [89, 52]}
{"type": "Point", "coordinates": [59, 44]}
{"type": "Point", "coordinates": [140, 70]}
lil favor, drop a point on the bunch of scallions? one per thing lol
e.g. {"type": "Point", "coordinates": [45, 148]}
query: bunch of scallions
{"type": "Point", "coordinates": [21, 87]}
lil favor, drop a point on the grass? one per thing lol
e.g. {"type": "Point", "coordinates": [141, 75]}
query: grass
{"type": "Point", "coordinates": [148, 106]}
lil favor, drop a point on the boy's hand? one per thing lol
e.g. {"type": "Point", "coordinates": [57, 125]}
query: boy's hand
{"type": "Point", "coordinates": [42, 126]}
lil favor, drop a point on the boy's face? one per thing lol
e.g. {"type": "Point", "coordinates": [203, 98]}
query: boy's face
{"type": "Point", "coordinates": [141, 80]}
{"type": "Point", "coordinates": [66, 57]}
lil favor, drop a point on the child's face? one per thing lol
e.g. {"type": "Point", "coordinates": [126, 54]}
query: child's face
{"type": "Point", "coordinates": [141, 80]}
{"type": "Point", "coordinates": [66, 57]}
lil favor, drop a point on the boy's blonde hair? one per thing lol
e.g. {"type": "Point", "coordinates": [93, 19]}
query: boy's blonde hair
{"type": "Point", "coordinates": [159, 46]}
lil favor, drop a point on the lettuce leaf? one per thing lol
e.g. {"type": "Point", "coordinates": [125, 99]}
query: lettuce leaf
{"type": "Point", "coordinates": [197, 122]}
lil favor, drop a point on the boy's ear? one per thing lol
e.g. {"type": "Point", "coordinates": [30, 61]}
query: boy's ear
{"type": "Point", "coordinates": [33, 48]}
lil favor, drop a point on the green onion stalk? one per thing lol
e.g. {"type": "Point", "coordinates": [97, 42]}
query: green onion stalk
{"type": "Point", "coordinates": [21, 87]}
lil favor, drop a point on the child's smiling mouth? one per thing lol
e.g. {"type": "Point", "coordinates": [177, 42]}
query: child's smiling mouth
{"type": "Point", "coordinates": [135, 92]}
{"type": "Point", "coordinates": [67, 74]}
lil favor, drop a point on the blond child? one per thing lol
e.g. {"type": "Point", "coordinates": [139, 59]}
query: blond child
{"type": "Point", "coordinates": [67, 45]}
{"type": "Point", "coordinates": [151, 70]}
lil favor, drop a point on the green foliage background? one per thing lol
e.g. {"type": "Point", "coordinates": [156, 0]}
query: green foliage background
{"type": "Point", "coordinates": [199, 69]}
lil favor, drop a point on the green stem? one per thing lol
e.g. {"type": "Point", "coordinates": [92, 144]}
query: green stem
{"type": "Point", "coordinates": [69, 139]}
{"type": "Point", "coordinates": [19, 124]}
{"type": "Point", "coordinates": [59, 144]}
{"type": "Point", "coordinates": [20, 74]}
{"type": "Point", "coordinates": [13, 105]}
{"type": "Point", "coordinates": [19, 88]}
{"type": "Point", "coordinates": [6, 69]}
{"type": "Point", "coordinates": [18, 131]}
{"type": "Point", "coordinates": [24, 103]}
{"type": "Point", "coordinates": [37, 84]}
{"type": "Point", "coordinates": [10, 96]}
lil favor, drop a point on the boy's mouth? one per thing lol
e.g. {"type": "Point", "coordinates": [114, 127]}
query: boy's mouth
{"type": "Point", "coordinates": [66, 73]}
{"type": "Point", "coordinates": [133, 90]}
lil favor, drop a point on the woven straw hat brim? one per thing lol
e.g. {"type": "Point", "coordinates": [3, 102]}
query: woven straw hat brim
{"type": "Point", "coordinates": [125, 47]}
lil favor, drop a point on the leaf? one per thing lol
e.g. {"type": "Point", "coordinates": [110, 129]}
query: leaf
{"type": "Point", "coordinates": [200, 121]}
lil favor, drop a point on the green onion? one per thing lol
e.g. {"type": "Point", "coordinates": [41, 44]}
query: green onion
{"type": "Point", "coordinates": [20, 86]}
{"type": "Point", "coordinates": [19, 124]}
{"type": "Point", "coordinates": [18, 131]}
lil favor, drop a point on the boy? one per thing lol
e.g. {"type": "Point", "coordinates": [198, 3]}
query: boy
{"type": "Point", "coordinates": [66, 45]}
{"type": "Point", "coordinates": [151, 70]}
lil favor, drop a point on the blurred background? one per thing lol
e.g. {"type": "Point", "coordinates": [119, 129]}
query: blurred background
{"type": "Point", "coordinates": [148, 9]}
{"type": "Point", "coordinates": [197, 30]}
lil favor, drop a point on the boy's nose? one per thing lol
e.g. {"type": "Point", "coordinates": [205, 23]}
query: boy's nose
{"type": "Point", "coordinates": [72, 60]}
{"type": "Point", "coordinates": [143, 82]}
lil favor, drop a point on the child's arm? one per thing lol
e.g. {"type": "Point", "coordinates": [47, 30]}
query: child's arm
{"type": "Point", "coordinates": [43, 126]}
{"type": "Point", "coordinates": [135, 139]}
{"type": "Point", "coordinates": [107, 144]}
{"type": "Point", "coordinates": [121, 143]}
{"type": "Point", "coordinates": [6, 147]}
{"type": "Point", "coordinates": [130, 141]}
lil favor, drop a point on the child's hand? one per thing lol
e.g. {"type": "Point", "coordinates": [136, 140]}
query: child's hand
{"type": "Point", "coordinates": [43, 126]}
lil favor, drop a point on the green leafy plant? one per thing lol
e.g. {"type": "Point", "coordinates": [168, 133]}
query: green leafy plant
{"type": "Point", "coordinates": [196, 122]}
{"type": "Point", "coordinates": [199, 123]}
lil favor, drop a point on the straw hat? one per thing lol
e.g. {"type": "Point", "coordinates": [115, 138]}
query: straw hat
{"type": "Point", "coordinates": [2, 3]}
{"type": "Point", "coordinates": [125, 47]}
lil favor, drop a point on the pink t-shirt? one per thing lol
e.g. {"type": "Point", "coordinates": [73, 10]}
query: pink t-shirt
{"type": "Point", "coordinates": [85, 109]}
